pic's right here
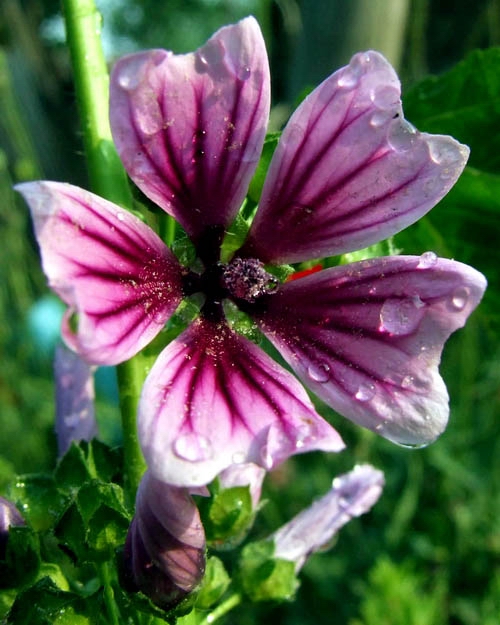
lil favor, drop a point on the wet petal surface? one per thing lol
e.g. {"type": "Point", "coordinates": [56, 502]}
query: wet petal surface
{"type": "Point", "coordinates": [112, 270]}
{"type": "Point", "coordinates": [213, 398]}
{"type": "Point", "coordinates": [367, 338]}
{"type": "Point", "coordinates": [190, 128]}
{"type": "Point", "coordinates": [349, 171]}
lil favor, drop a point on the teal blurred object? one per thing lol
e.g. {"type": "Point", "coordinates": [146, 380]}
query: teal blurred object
{"type": "Point", "coordinates": [44, 323]}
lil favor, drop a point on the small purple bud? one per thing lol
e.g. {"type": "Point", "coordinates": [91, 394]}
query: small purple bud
{"type": "Point", "coordinates": [74, 379]}
{"type": "Point", "coordinates": [9, 516]}
{"type": "Point", "coordinates": [244, 474]}
{"type": "Point", "coordinates": [351, 495]}
{"type": "Point", "coordinates": [165, 547]}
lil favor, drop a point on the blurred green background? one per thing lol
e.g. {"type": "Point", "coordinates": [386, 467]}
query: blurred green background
{"type": "Point", "coordinates": [429, 553]}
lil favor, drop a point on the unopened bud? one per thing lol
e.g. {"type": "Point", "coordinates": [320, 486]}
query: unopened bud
{"type": "Point", "coordinates": [351, 495]}
{"type": "Point", "coordinates": [165, 547]}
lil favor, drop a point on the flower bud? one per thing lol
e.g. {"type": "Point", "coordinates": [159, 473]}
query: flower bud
{"type": "Point", "coordinates": [165, 547]}
{"type": "Point", "coordinates": [351, 495]}
{"type": "Point", "coordinates": [9, 515]}
{"type": "Point", "coordinates": [74, 379]}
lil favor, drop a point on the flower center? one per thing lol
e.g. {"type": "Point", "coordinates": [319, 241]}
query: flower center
{"type": "Point", "coordinates": [244, 280]}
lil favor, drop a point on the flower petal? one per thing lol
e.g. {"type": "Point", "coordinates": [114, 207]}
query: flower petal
{"type": "Point", "coordinates": [213, 398]}
{"type": "Point", "coordinates": [190, 128]}
{"type": "Point", "coordinates": [349, 171]}
{"type": "Point", "coordinates": [110, 268]}
{"type": "Point", "coordinates": [74, 400]}
{"type": "Point", "coordinates": [367, 338]}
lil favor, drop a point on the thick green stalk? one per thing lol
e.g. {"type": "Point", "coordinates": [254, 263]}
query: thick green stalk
{"type": "Point", "coordinates": [108, 179]}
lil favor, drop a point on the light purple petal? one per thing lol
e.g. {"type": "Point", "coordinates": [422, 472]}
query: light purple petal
{"type": "Point", "coordinates": [74, 383]}
{"type": "Point", "coordinates": [213, 398]}
{"type": "Point", "coordinates": [367, 338]}
{"type": "Point", "coordinates": [352, 495]}
{"type": "Point", "coordinates": [349, 171]}
{"type": "Point", "coordinates": [190, 128]}
{"type": "Point", "coordinates": [111, 269]}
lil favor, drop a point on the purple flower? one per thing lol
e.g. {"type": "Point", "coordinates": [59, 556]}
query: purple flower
{"type": "Point", "coordinates": [74, 380]}
{"type": "Point", "coordinates": [165, 549]}
{"type": "Point", "coordinates": [351, 495]}
{"type": "Point", "coordinates": [348, 171]}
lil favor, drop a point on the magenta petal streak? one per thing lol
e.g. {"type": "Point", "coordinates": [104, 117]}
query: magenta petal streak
{"type": "Point", "coordinates": [213, 398]}
{"type": "Point", "coordinates": [111, 269]}
{"type": "Point", "coordinates": [190, 128]}
{"type": "Point", "coordinates": [349, 171]}
{"type": "Point", "coordinates": [367, 338]}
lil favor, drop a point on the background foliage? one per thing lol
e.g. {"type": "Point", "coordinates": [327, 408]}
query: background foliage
{"type": "Point", "coordinates": [429, 553]}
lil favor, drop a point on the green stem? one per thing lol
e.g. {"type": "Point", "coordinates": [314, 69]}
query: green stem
{"type": "Point", "coordinates": [109, 595]}
{"type": "Point", "coordinates": [108, 179]}
{"type": "Point", "coordinates": [83, 30]}
{"type": "Point", "coordinates": [222, 609]}
{"type": "Point", "coordinates": [130, 379]}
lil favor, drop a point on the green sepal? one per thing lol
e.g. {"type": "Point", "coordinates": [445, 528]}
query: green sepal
{"type": "Point", "coordinates": [227, 515]}
{"type": "Point", "coordinates": [215, 583]}
{"type": "Point", "coordinates": [265, 578]}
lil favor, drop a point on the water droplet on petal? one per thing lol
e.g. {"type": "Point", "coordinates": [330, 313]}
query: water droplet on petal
{"type": "Point", "coordinates": [305, 433]}
{"type": "Point", "coordinates": [244, 73]}
{"type": "Point", "coordinates": [407, 381]}
{"type": "Point", "coordinates": [128, 77]}
{"type": "Point", "coordinates": [400, 316]}
{"type": "Point", "coordinates": [412, 445]}
{"type": "Point", "coordinates": [427, 260]}
{"type": "Point", "coordinates": [348, 80]}
{"type": "Point", "coordinates": [459, 298]}
{"type": "Point", "coordinates": [385, 98]}
{"type": "Point", "coordinates": [401, 136]}
{"type": "Point", "coordinates": [443, 152]}
{"type": "Point", "coordinates": [120, 216]}
{"type": "Point", "coordinates": [365, 392]}
{"type": "Point", "coordinates": [193, 447]}
{"type": "Point", "coordinates": [319, 372]}
{"type": "Point", "coordinates": [379, 118]}
{"type": "Point", "coordinates": [238, 457]}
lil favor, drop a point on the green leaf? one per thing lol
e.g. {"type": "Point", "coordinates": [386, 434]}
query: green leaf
{"type": "Point", "coordinates": [96, 524]}
{"type": "Point", "coordinates": [22, 558]}
{"type": "Point", "coordinates": [43, 604]}
{"type": "Point", "coordinates": [38, 499]}
{"type": "Point", "coordinates": [465, 103]}
{"type": "Point", "coordinates": [73, 469]}
{"type": "Point", "coordinates": [85, 461]}
{"type": "Point", "coordinates": [265, 578]}
{"type": "Point", "coordinates": [214, 585]}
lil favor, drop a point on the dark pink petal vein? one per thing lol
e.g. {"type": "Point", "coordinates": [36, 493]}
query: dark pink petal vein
{"type": "Point", "coordinates": [112, 270]}
{"type": "Point", "coordinates": [190, 128]}
{"type": "Point", "coordinates": [349, 171]}
{"type": "Point", "coordinates": [367, 338]}
{"type": "Point", "coordinates": [213, 399]}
